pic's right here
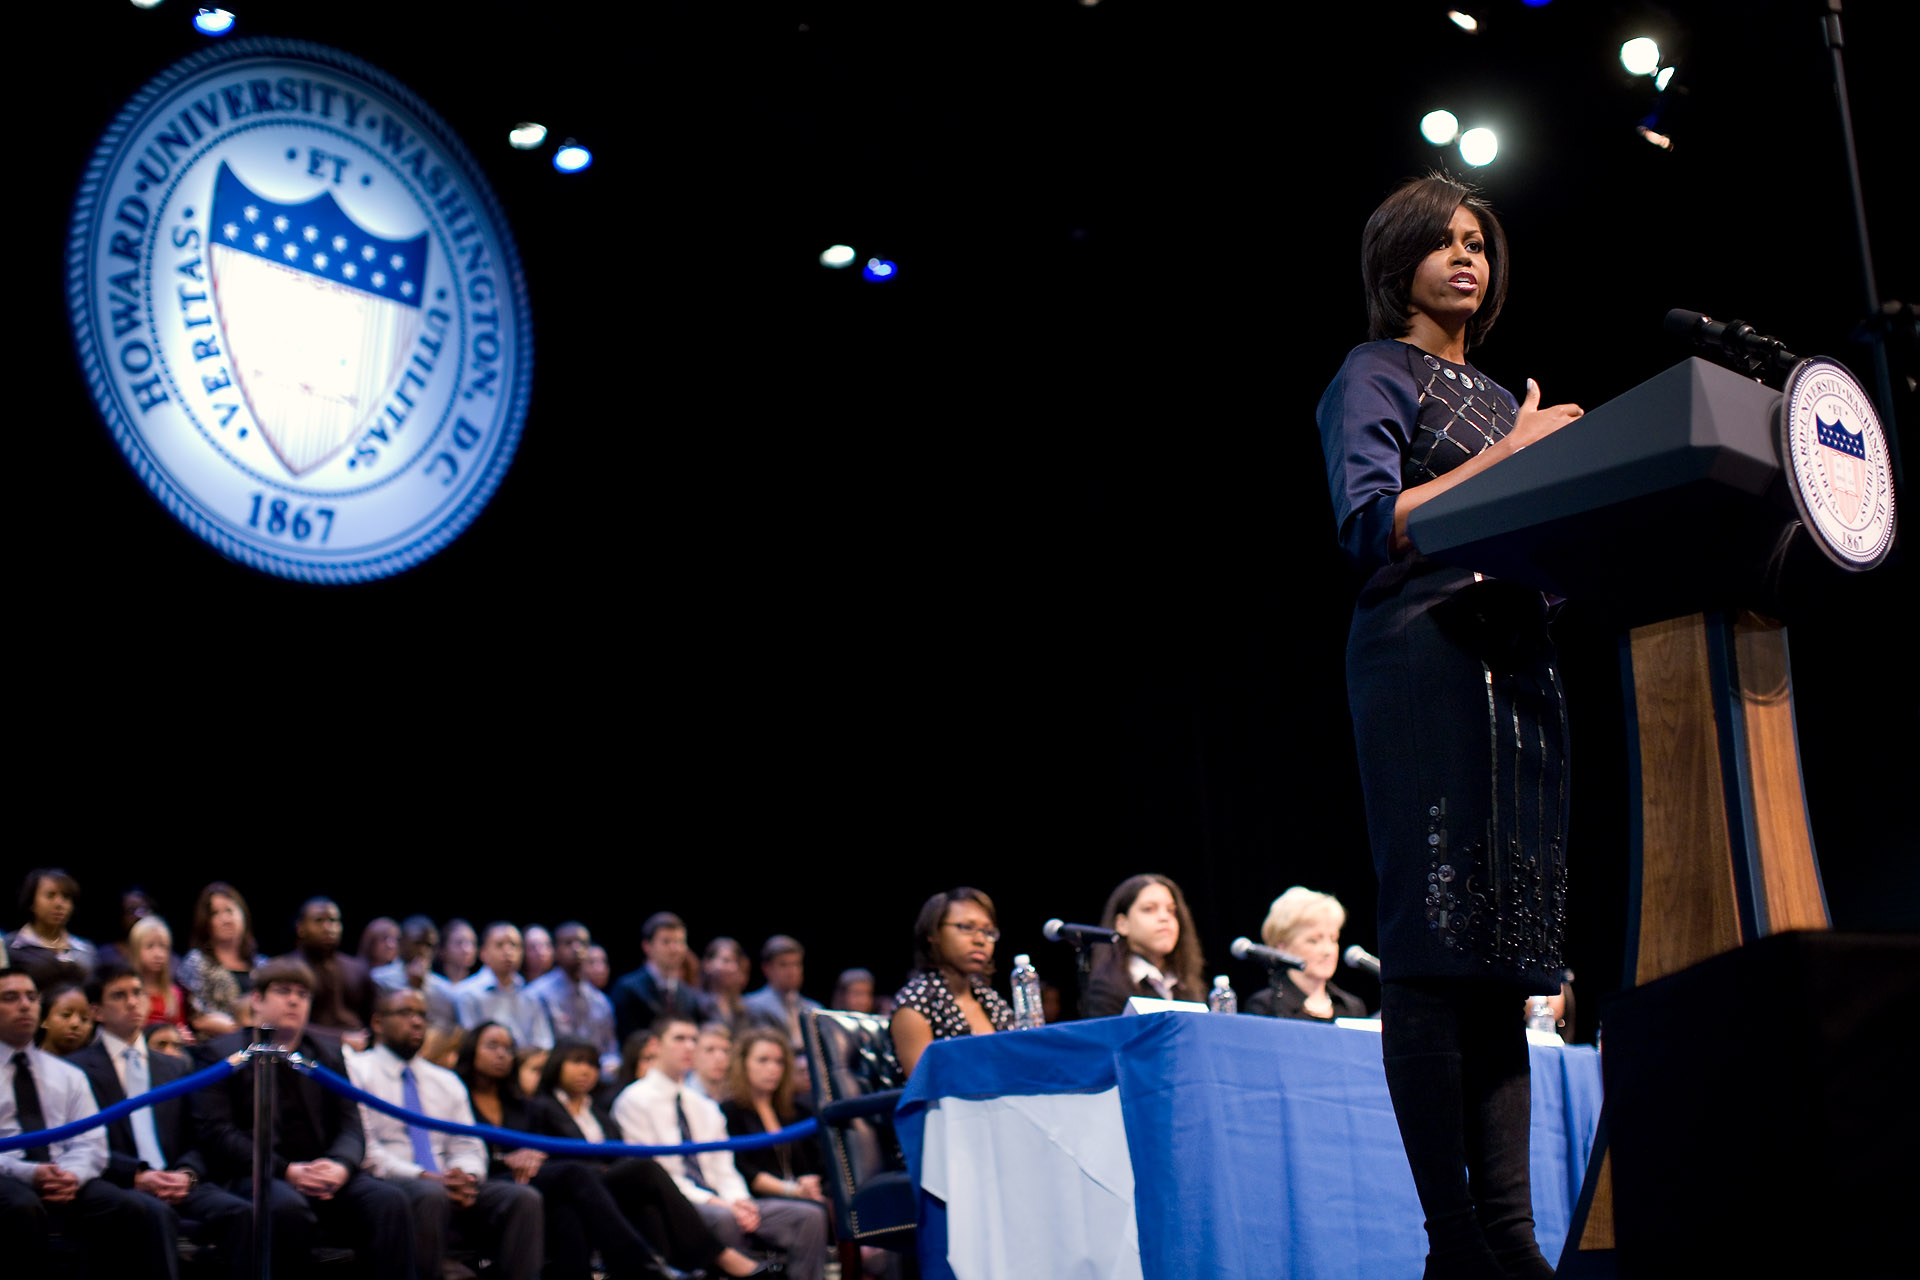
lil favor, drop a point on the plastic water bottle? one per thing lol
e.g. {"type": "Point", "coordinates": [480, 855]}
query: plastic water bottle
{"type": "Point", "coordinates": [1026, 995]}
{"type": "Point", "coordinates": [1540, 1016]}
{"type": "Point", "coordinates": [1221, 999]}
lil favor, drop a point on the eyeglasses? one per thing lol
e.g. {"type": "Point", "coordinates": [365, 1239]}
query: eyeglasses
{"type": "Point", "coordinates": [984, 932]}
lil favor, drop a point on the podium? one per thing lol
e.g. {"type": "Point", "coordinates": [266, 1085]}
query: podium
{"type": "Point", "coordinates": [1669, 510]}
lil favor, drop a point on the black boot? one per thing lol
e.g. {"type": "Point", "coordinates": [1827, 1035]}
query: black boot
{"type": "Point", "coordinates": [1499, 1107]}
{"type": "Point", "coordinates": [1426, 1093]}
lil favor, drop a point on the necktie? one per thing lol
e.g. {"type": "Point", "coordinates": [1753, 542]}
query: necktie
{"type": "Point", "coordinates": [146, 1137]}
{"type": "Point", "coordinates": [26, 1107]}
{"type": "Point", "coordinates": [410, 1099]}
{"type": "Point", "coordinates": [686, 1135]}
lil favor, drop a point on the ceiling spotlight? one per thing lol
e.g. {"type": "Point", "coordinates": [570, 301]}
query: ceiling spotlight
{"type": "Point", "coordinates": [1659, 140]}
{"type": "Point", "coordinates": [879, 269]}
{"type": "Point", "coordinates": [145, 4]}
{"type": "Point", "coordinates": [213, 22]}
{"type": "Point", "coordinates": [1640, 56]}
{"type": "Point", "coordinates": [572, 157]}
{"type": "Point", "coordinates": [837, 256]}
{"type": "Point", "coordinates": [1664, 79]}
{"type": "Point", "coordinates": [526, 135]}
{"type": "Point", "coordinates": [1439, 127]}
{"type": "Point", "coordinates": [1479, 146]}
{"type": "Point", "coordinates": [1464, 21]}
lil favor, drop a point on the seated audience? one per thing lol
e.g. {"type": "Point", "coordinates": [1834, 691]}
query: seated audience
{"type": "Point", "coordinates": [597, 969]}
{"type": "Point", "coordinates": [1306, 924]}
{"type": "Point", "coordinates": [949, 992]}
{"type": "Point", "coordinates": [379, 944]}
{"type": "Point", "coordinates": [443, 1175]}
{"type": "Point", "coordinates": [42, 944]}
{"type": "Point", "coordinates": [459, 951]}
{"type": "Point", "coordinates": [647, 1194]}
{"type": "Point", "coordinates": [58, 1186]}
{"type": "Point", "coordinates": [658, 987]}
{"type": "Point", "coordinates": [411, 969]}
{"type": "Point", "coordinates": [154, 1152]}
{"type": "Point", "coordinates": [637, 1056]}
{"type": "Point", "coordinates": [779, 1003]}
{"type": "Point", "coordinates": [319, 1148]}
{"type": "Point", "coordinates": [712, 1053]}
{"type": "Point", "coordinates": [343, 991]}
{"type": "Point", "coordinates": [152, 945]}
{"type": "Point", "coordinates": [763, 1100]}
{"type": "Point", "coordinates": [576, 1009]}
{"type": "Point", "coordinates": [164, 1038]}
{"type": "Point", "coordinates": [853, 991]}
{"type": "Point", "coordinates": [537, 944]}
{"type": "Point", "coordinates": [135, 904]}
{"type": "Point", "coordinates": [67, 1025]}
{"type": "Point", "coordinates": [1157, 954]}
{"type": "Point", "coordinates": [723, 978]}
{"type": "Point", "coordinates": [497, 993]}
{"type": "Point", "coordinates": [217, 971]}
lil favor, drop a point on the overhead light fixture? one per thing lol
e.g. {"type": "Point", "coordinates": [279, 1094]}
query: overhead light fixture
{"type": "Point", "coordinates": [837, 256]}
{"type": "Point", "coordinates": [1479, 146]}
{"type": "Point", "coordinates": [1439, 127]}
{"type": "Point", "coordinates": [526, 135]}
{"type": "Point", "coordinates": [1465, 21]}
{"type": "Point", "coordinates": [1640, 55]}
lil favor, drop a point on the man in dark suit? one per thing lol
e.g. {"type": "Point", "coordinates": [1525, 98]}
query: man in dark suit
{"type": "Point", "coordinates": [318, 1145]}
{"type": "Point", "coordinates": [657, 989]}
{"type": "Point", "coordinates": [152, 1153]}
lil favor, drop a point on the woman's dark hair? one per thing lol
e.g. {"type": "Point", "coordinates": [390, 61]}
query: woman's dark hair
{"type": "Point", "coordinates": [375, 927]}
{"type": "Point", "coordinates": [713, 949]}
{"type": "Point", "coordinates": [50, 996]}
{"type": "Point", "coordinates": [783, 1105]}
{"type": "Point", "coordinates": [630, 1051]}
{"type": "Point", "coordinates": [200, 935]}
{"type": "Point", "coordinates": [463, 1064]}
{"type": "Point", "coordinates": [933, 912]}
{"type": "Point", "coordinates": [1410, 224]}
{"type": "Point", "coordinates": [1185, 960]}
{"type": "Point", "coordinates": [565, 1051]}
{"type": "Point", "coordinates": [30, 888]}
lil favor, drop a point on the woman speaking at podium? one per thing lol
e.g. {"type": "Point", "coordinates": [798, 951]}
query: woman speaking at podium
{"type": "Point", "coordinates": [1459, 724]}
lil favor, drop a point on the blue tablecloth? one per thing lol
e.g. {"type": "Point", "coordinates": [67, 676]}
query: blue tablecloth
{"type": "Point", "coordinates": [1260, 1147]}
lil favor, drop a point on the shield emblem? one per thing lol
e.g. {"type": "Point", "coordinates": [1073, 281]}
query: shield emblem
{"type": "Point", "coordinates": [318, 315]}
{"type": "Point", "coordinates": [1845, 455]}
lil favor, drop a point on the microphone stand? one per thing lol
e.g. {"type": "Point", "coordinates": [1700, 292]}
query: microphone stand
{"type": "Point", "coordinates": [1873, 331]}
{"type": "Point", "coordinates": [1083, 969]}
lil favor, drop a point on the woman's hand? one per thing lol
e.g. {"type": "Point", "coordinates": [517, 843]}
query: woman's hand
{"type": "Point", "coordinates": [1535, 424]}
{"type": "Point", "coordinates": [525, 1163]}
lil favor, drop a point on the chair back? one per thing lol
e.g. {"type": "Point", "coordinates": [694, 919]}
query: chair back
{"type": "Point", "coordinates": [856, 1083]}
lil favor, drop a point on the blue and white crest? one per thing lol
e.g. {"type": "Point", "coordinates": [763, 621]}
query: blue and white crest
{"type": "Point", "coordinates": [300, 310]}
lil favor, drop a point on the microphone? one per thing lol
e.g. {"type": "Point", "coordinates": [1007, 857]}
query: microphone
{"type": "Point", "coordinates": [1080, 935]}
{"type": "Point", "coordinates": [1358, 957]}
{"type": "Point", "coordinates": [1272, 957]}
{"type": "Point", "coordinates": [1750, 352]}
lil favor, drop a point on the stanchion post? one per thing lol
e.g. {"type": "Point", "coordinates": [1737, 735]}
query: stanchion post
{"type": "Point", "coordinates": [264, 1055]}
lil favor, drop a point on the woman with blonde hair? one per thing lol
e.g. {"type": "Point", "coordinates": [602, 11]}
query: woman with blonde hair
{"type": "Point", "coordinates": [1306, 924]}
{"type": "Point", "coordinates": [150, 943]}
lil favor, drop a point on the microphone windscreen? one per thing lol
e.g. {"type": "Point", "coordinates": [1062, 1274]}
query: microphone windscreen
{"type": "Point", "coordinates": [1238, 948]}
{"type": "Point", "coordinates": [1683, 325]}
{"type": "Point", "coordinates": [1051, 929]}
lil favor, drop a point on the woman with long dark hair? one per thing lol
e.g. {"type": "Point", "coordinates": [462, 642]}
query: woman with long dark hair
{"type": "Point", "coordinates": [1459, 722]}
{"type": "Point", "coordinates": [1157, 953]}
{"type": "Point", "coordinates": [217, 970]}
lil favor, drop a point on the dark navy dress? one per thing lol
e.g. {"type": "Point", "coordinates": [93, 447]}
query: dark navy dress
{"type": "Point", "coordinates": [1457, 708]}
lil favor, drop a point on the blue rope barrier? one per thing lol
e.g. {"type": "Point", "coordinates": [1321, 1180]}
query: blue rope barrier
{"type": "Point", "coordinates": [554, 1146]}
{"type": "Point", "coordinates": [185, 1084]}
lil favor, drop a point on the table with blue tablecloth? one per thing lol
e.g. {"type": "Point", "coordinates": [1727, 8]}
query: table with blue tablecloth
{"type": "Point", "coordinates": [1190, 1145]}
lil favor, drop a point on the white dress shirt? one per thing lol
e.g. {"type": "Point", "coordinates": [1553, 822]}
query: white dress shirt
{"type": "Point", "coordinates": [481, 998]}
{"type": "Point", "coordinates": [64, 1097]}
{"type": "Point", "coordinates": [442, 1097]}
{"type": "Point", "coordinates": [645, 1113]}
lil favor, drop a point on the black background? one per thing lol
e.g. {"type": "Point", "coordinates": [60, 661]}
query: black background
{"type": "Point", "coordinates": [806, 597]}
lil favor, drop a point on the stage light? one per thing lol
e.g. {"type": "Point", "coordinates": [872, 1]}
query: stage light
{"type": "Point", "coordinates": [1464, 21]}
{"type": "Point", "coordinates": [572, 157]}
{"type": "Point", "coordinates": [145, 4]}
{"type": "Point", "coordinates": [1664, 79]}
{"type": "Point", "coordinates": [526, 135]}
{"type": "Point", "coordinates": [1640, 56]}
{"type": "Point", "coordinates": [213, 22]}
{"type": "Point", "coordinates": [837, 256]}
{"type": "Point", "coordinates": [1439, 127]}
{"type": "Point", "coordinates": [879, 270]}
{"type": "Point", "coordinates": [1659, 140]}
{"type": "Point", "coordinates": [1479, 146]}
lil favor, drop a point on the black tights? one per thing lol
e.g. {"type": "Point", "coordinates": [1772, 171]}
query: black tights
{"type": "Point", "coordinates": [1456, 1059]}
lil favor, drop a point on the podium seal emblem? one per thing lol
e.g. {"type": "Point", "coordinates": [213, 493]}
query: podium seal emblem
{"type": "Point", "coordinates": [300, 310]}
{"type": "Point", "coordinates": [1836, 455]}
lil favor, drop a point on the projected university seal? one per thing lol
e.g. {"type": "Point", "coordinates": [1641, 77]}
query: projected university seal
{"type": "Point", "coordinates": [300, 310]}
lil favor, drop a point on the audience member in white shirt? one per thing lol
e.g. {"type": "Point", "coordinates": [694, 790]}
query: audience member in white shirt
{"type": "Point", "coordinates": [658, 1110]}
{"type": "Point", "coordinates": [443, 1175]}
